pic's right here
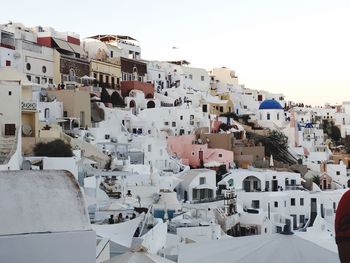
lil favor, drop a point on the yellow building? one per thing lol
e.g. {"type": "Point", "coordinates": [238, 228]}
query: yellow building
{"type": "Point", "coordinates": [218, 105]}
{"type": "Point", "coordinates": [106, 71]}
{"type": "Point", "coordinates": [76, 104]}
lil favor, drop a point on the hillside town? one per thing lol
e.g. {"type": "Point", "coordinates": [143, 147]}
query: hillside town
{"type": "Point", "coordinates": [108, 157]}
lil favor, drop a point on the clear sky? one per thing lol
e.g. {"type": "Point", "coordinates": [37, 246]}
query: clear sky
{"type": "Point", "coordinates": [297, 47]}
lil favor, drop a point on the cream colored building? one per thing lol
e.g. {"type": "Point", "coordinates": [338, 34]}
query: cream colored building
{"type": "Point", "coordinates": [224, 76]}
{"type": "Point", "coordinates": [76, 104]}
{"type": "Point", "coordinates": [106, 71]}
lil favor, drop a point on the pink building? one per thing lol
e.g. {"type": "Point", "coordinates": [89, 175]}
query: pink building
{"type": "Point", "coordinates": [196, 154]}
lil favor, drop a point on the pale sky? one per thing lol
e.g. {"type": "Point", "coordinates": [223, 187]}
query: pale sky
{"type": "Point", "coordinates": [297, 47]}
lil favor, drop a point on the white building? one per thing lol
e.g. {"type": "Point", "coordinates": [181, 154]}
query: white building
{"type": "Point", "coordinates": [271, 114]}
{"type": "Point", "coordinates": [114, 46]}
{"type": "Point", "coordinates": [22, 51]}
{"type": "Point", "coordinates": [198, 185]}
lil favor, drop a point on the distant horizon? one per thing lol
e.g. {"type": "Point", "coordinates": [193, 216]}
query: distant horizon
{"type": "Point", "coordinates": [298, 48]}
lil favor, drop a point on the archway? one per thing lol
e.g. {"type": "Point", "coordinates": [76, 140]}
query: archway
{"type": "Point", "coordinates": [132, 104]}
{"type": "Point", "coordinates": [151, 104]}
{"type": "Point", "coordinates": [251, 184]}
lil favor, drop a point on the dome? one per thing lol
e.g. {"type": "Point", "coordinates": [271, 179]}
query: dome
{"type": "Point", "coordinates": [270, 105]}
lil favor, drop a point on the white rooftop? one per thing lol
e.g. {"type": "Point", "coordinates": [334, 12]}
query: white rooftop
{"type": "Point", "coordinates": [262, 249]}
{"type": "Point", "coordinates": [41, 201]}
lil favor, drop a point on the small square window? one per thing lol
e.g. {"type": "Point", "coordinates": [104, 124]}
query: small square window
{"type": "Point", "coordinates": [292, 201]}
{"type": "Point", "coordinates": [220, 155]}
{"type": "Point", "coordinates": [201, 180]}
{"type": "Point", "coordinates": [173, 124]}
{"type": "Point", "coordinates": [338, 172]}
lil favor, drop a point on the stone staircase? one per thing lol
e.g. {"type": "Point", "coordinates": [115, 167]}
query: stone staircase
{"type": "Point", "coordinates": [7, 144]}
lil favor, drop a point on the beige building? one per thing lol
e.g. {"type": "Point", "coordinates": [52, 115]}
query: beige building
{"type": "Point", "coordinates": [76, 104]}
{"type": "Point", "coordinates": [106, 71]}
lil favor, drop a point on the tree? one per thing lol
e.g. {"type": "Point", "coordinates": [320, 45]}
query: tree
{"type": "Point", "coordinates": [335, 133]}
{"type": "Point", "coordinates": [316, 179]}
{"type": "Point", "coordinates": [117, 100]}
{"type": "Point", "coordinates": [56, 148]}
{"type": "Point", "coordinates": [105, 97]}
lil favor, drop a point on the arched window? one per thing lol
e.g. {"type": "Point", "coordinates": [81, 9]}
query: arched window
{"type": "Point", "coordinates": [71, 74]}
{"type": "Point", "coordinates": [47, 113]}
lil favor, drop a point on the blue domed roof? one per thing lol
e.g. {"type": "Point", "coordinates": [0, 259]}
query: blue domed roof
{"type": "Point", "coordinates": [270, 105]}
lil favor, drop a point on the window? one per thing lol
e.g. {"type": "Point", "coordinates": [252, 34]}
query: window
{"type": "Point", "coordinates": [268, 117]}
{"type": "Point", "coordinates": [276, 204]}
{"type": "Point", "coordinates": [47, 113]}
{"type": "Point", "coordinates": [201, 180]}
{"type": "Point", "coordinates": [43, 69]}
{"type": "Point", "coordinates": [292, 201]}
{"type": "Point", "coordinates": [37, 80]}
{"type": "Point", "coordinates": [285, 203]}
{"type": "Point", "coordinates": [221, 109]}
{"type": "Point", "coordinates": [159, 76]}
{"type": "Point", "coordinates": [10, 93]}
{"type": "Point", "coordinates": [255, 184]}
{"type": "Point", "coordinates": [29, 77]}
{"type": "Point", "coordinates": [181, 117]}
{"type": "Point", "coordinates": [43, 80]}
{"type": "Point", "coordinates": [190, 76]}
{"type": "Point", "coordinates": [338, 172]}
{"type": "Point", "coordinates": [111, 53]}
{"type": "Point", "coordinates": [202, 78]}
{"type": "Point", "coordinates": [302, 219]}
{"type": "Point", "coordinates": [50, 81]}
{"type": "Point", "coordinates": [28, 66]}
{"type": "Point", "coordinates": [149, 148]}
{"type": "Point", "coordinates": [220, 155]}
{"type": "Point", "coordinates": [107, 136]}
{"type": "Point", "coordinates": [278, 116]}
{"type": "Point", "coordinates": [256, 204]}
{"type": "Point", "coordinates": [173, 124]}
{"type": "Point", "coordinates": [192, 153]}
{"type": "Point", "coordinates": [82, 118]}
{"type": "Point", "coordinates": [301, 201]}
{"type": "Point", "coordinates": [166, 123]}
{"type": "Point", "coordinates": [65, 114]}
{"type": "Point", "coordinates": [8, 63]}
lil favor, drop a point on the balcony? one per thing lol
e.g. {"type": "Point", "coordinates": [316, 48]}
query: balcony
{"type": "Point", "coordinates": [29, 105]}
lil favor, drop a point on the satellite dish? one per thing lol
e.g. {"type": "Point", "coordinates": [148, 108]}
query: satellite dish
{"type": "Point", "coordinates": [27, 129]}
{"type": "Point", "coordinates": [26, 165]}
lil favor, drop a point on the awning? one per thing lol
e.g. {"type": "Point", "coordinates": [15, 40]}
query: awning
{"type": "Point", "coordinates": [63, 44]}
{"type": "Point", "coordinates": [76, 48]}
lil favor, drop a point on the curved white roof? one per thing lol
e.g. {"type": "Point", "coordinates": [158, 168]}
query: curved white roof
{"type": "Point", "coordinates": [41, 201]}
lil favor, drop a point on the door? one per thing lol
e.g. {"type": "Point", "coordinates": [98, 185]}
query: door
{"type": "Point", "coordinates": [200, 153]}
{"type": "Point", "coordinates": [10, 129]}
{"type": "Point", "coordinates": [274, 185]}
{"type": "Point", "coordinates": [313, 211]}
{"type": "Point", "coordinates": [247, 186]}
